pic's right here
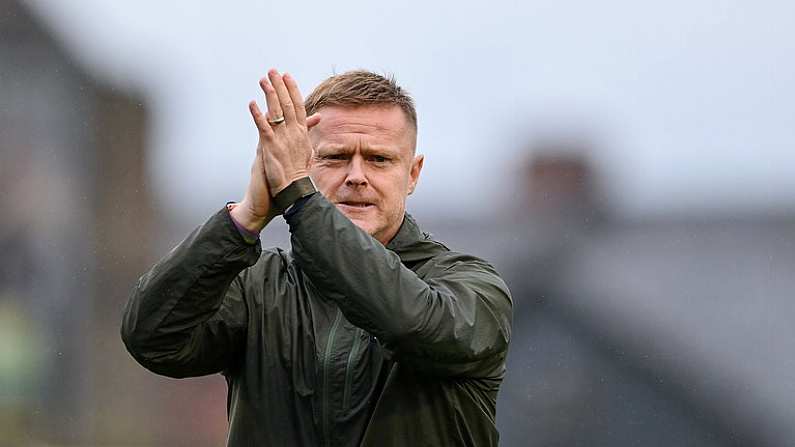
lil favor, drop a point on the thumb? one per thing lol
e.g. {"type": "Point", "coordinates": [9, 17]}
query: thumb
{"type": "Point", "coordinates": [312, 120]}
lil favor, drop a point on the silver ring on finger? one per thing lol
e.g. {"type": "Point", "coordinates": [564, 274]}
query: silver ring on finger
{"type": "Point", "coordinates": [277, 120]}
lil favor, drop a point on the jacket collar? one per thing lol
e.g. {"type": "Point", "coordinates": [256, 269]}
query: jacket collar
{"type": "Point", "coordinates": [412, 244]}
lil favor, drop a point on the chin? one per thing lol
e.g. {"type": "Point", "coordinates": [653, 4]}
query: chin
{"type": "Point", "coordinates": [365, 226]}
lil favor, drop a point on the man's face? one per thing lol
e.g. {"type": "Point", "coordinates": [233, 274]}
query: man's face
{"type": "Point", "coordinates": [364, 163]}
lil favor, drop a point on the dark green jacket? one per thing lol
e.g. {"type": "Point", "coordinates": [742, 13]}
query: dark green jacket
{"type": "Point", "coordinates": [342, 342]}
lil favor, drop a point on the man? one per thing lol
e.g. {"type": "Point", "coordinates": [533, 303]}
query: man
{"type": "Point", "coordinates": [368, 332]}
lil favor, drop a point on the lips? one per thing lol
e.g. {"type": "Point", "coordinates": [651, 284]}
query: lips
{"type": "Point", "coordinates": [355, 205]}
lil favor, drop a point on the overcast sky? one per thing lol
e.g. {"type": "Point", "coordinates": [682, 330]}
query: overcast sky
{"type": "Point", "coordinates": [692, 103]}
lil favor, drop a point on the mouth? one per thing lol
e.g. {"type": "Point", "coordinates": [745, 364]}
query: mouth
{"type": "Point", "coordinates": [353, 205]}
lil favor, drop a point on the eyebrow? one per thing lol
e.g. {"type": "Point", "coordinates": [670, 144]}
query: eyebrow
{"type": "Point", "coordinates": [369, 150]}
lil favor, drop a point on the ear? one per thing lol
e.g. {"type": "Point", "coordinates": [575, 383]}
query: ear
{"type": "Point", "coordinates": [414, 173]}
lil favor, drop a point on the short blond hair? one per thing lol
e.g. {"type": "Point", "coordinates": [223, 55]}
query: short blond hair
{"type": "Point", "coordinates": [358, 88]}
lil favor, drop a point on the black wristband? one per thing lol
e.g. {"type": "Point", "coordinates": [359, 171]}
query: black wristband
{"type": "Point", "coordinates": [294, 191]}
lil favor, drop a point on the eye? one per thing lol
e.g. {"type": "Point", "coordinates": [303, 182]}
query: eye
{"type": "Point", "coordinates": [379, 159]}
{"type": "Point", "coordinates": [333, 157]}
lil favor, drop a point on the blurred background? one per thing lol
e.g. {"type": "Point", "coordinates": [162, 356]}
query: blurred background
{"type": "Point", "coordinates": [629, 167]}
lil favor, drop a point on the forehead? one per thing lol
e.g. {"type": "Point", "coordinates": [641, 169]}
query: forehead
{"type": "Point", "coordinates": [371, 124]}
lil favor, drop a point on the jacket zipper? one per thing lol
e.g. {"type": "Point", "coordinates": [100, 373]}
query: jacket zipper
{"type": "Point", "coordinates": [346, 395]}
{"type": "Point", "coordinates": [325, 364]}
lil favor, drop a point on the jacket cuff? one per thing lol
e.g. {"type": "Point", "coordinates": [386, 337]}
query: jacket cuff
{"type": "Point", "coordinates": [296, 190]}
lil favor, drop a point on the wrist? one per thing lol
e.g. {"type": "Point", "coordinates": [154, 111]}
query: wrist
{"type": "Point", "coordinates": [243, 216]}
{"type": "Point", "coordinates": [287, 181]}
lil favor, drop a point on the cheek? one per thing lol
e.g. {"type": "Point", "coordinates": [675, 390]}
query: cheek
{"type": "Point", "coordinates": [395, 190]}
{"type": "Point", "coordinates": [400, 185]}
{"type": "Point", "coordinates": [325, 179]}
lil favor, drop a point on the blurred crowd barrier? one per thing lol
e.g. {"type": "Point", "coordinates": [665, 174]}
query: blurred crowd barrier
{"type": "Point", "coordinates": [658, 332]}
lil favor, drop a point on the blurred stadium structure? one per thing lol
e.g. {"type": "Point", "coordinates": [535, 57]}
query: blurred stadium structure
{"type": "Point", "coordinates": [663, 331]}
{"type": "Point", "coordinates": [73, 239]}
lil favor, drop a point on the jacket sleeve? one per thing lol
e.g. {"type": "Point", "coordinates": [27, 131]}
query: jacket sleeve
{"type": "Point", "coordinates": [455, 320]}
{"type": "Point", "coordinates": [187, 315]}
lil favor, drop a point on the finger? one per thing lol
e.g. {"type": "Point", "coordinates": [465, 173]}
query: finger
{"type": "Point", "coordinates": [288, 108]}
{"type": "Point", "coordinates": [312, 120]}
{"type": "Point", "coordinates": [260, 119]}
{"type": "Point", "coordinates": [295, 96]}
{"type": "Point", "coordinates": [271, 99]}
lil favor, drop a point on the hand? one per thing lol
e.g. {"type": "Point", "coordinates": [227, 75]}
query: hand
{"type": "Point", "coordinates": [285, 145]}
{"type": "Point", "coordinates": [255, 211]}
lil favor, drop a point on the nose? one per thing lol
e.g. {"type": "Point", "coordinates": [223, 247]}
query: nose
{"type": "Point", "coordinates": [356, 176]}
